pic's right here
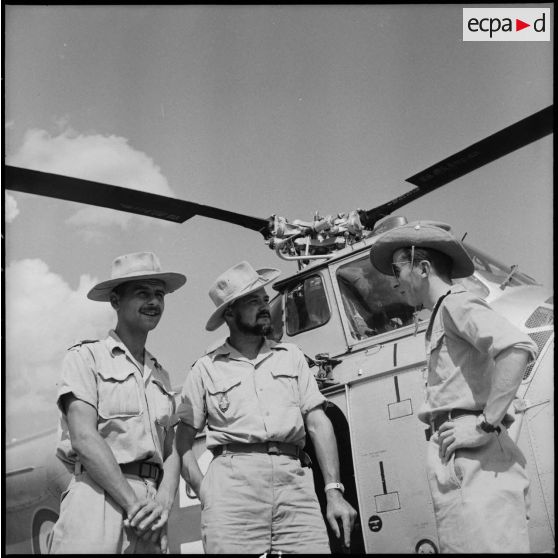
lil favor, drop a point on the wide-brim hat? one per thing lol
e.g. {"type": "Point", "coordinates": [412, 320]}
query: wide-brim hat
{"type": "Point", "coordinates": [421, 234]}
{"type": "Point", "coordinates": [238, 281]}
{"type": "Point", "coordinates": [135, 267]}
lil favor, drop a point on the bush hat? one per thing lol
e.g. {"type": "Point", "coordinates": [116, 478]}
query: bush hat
{"type": "Point", "coordinates": [238, 281]}
{"type": "Point", "coordinates": [135, 267]}
{"type": "Point", "coordinates": [421, 234]}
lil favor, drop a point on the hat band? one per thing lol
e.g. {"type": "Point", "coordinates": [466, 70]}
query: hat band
{"type": "Point", "coordinates": [246, 289]}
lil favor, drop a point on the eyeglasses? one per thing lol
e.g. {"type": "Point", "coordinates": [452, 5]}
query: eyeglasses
{"type": "Point", "coordinates": [395, 265]}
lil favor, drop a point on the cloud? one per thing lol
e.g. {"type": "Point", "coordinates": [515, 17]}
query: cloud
{"type": "Point", "coordinates": [45, 317]}
{"type": "Point", "coordinates": [11, 211]}
{"type": "Point", "coordinates": [108, 159]}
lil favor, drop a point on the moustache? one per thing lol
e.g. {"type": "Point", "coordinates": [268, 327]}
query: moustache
{"type": "Point", "coordinates": [264, 315]}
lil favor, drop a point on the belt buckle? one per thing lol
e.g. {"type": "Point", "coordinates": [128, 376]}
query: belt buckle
{"type": "Point", "coordinates": [142, 470]}
{"type": "Point", "coordinates": [273, 448]}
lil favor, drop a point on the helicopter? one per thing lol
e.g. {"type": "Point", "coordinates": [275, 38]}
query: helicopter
{"type": "Point", "coordinates": [365, 345]}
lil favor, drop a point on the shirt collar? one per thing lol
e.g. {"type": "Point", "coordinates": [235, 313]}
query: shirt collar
{"type": "Point", "coordinates": [457, 288]}
{"type": "Point", "coordinates": [227, 350]}
{"type": "Point", "coordinates": [116, 346]}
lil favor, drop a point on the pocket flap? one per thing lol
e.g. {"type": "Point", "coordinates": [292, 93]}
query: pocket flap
{"type": "Point", "coordinates": [222, 385]}
{"type": "Point", "coordinates": [119, 375]}
{"type": "Point", "coordinates": [283, 372]}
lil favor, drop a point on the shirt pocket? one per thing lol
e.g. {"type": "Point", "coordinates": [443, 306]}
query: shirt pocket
{"type": "Point", "coordinates": [119, 395]}
{"type": "Point", "coordinates": [285, 387]}
{"type": "Point", "coordinates": [224, 396]}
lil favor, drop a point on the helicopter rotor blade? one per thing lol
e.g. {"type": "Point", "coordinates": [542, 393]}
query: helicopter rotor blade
{"type": "Point", "coordinates": [467, 160]}
{"type": "Point", "coordinates": [119, 198]}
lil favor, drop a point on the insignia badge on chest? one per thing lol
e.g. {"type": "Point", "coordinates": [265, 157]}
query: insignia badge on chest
{"type": "Point", "coordinates": [224, 402]}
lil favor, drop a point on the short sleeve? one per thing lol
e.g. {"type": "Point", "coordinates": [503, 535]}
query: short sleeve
{"type": "Point", "coordinates": [310, 395]}
{"type": "Point", "coordinates": [78, 377]}
{"type": "Point", "coordinates": [488, 331]}
{"type": "Point", "coordinates": [192, 409]}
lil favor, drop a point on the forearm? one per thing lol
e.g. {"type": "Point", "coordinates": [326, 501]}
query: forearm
{"type": "Point", "coordinates": [340, 514]}
{"type": "Point", "coordinates": [189, 468]}
{"type": "Point", "coordinates": [508, 374]}
{"type": "Point", "coordinates": [325, 445]}
{"type": "Point", "coordinates": [169, 485]}
{"type": "Point", "coordinates": [99, 462]}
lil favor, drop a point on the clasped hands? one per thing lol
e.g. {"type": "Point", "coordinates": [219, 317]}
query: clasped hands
{"type": "Point", "coordinates": [148, 518]}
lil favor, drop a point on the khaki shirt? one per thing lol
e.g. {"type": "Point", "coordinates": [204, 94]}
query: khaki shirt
{"type": "Point", "coordinates": [250, 401]}
{"type": "Point", "coordinates": [467, 335]}
{"type": "Point", "coordinates": [134, 405]}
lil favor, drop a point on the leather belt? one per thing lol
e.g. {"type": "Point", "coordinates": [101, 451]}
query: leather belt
{"type": "Point", "coordinates": [143, 469]}
{"type": "Point", "coordinates": [273, 448]}
{"type": "Point", "coordinates": [444, 416]}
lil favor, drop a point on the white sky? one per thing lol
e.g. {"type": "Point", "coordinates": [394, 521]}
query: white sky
{"type": "Point", "coordinates": [258, 109]}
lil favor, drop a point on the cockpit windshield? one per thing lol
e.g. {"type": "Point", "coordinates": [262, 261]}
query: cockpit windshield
{"type": "Point", "coordinates": [372, 305]}
{"type": "Point", "coordinates": [306, 305]}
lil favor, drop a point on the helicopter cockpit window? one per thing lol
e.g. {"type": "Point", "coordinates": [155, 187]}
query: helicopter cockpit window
{"type": "Point", "coordinates": [306, 305]}
{"type": "Point", "coordinates": [370, 302]}
{"type": "Point", "coordinates": [276, 311]}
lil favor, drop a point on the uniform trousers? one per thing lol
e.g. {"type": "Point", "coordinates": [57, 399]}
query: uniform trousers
{"type": "Point", "coordinates": [253, 503]}
{"type": "Point", "coordinates": [92, 522]}
{"type": "Point", "coordinates": [480, 497]}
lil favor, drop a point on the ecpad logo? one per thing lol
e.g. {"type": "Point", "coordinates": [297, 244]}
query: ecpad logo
{"type": "Point", "coordinates": [506, 24]}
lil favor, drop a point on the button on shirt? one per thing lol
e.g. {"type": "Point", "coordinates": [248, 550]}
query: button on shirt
{"type": "Point", "coordinates": [134, 404]}
{"type": "Point", "coordinates": [250, 401]}
{"type": "Point", "coordinates": [466, 336]}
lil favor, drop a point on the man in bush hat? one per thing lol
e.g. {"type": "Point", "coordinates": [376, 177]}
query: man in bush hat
{"type": "Point", "coordinates": [476, 360]}
{"type": "Point", "coordinates": [115, 401]}
{"type": "Point", "coordinates": [257, 397]}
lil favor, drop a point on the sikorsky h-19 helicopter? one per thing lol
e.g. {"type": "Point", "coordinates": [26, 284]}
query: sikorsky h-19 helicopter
{"type": "Point", "coordinates": [366, 346]}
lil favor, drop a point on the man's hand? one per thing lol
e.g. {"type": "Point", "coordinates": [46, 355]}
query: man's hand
{"type": "Point", "coordinates": [145, 516]}
{"type": "Point", "coordinates": [149, 518]}
{"type": "Point", "coordinates": [338, 509]}
{"type": "Point", "coordinates": [462, 433]}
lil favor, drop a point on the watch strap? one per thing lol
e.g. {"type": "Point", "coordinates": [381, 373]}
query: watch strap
{"type": "Point", "coordinates": [485, 426]}
{"type": "Point", "coordinates": [332, 485]}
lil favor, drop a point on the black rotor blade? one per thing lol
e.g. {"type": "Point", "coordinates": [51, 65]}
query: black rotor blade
{"type": "Point", "coordinates": [122, 199]}
{"type": "Point", "coordinates": [485, 151]}
{"type": "Point", "coordinates": [469, 159]}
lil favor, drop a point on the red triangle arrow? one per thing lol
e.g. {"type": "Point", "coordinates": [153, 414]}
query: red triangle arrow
{"type": "Point", "coordinates": [519, 25]}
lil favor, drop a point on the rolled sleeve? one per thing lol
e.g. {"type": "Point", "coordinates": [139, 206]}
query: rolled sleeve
{"type": "Point", "coordinates": [310, 395]}
{"type": "Point", "coordinates": [78, 378]}
{"type": "Point", "coordinates": [192, 409]}
{"type": "Point", "coordinates": [489, 332]}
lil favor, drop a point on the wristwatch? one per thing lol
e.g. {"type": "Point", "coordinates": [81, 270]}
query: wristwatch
{"type": "Point", "coordinates": [486, 426]}
{"type": "Point", "coordinates": [337, 485]}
